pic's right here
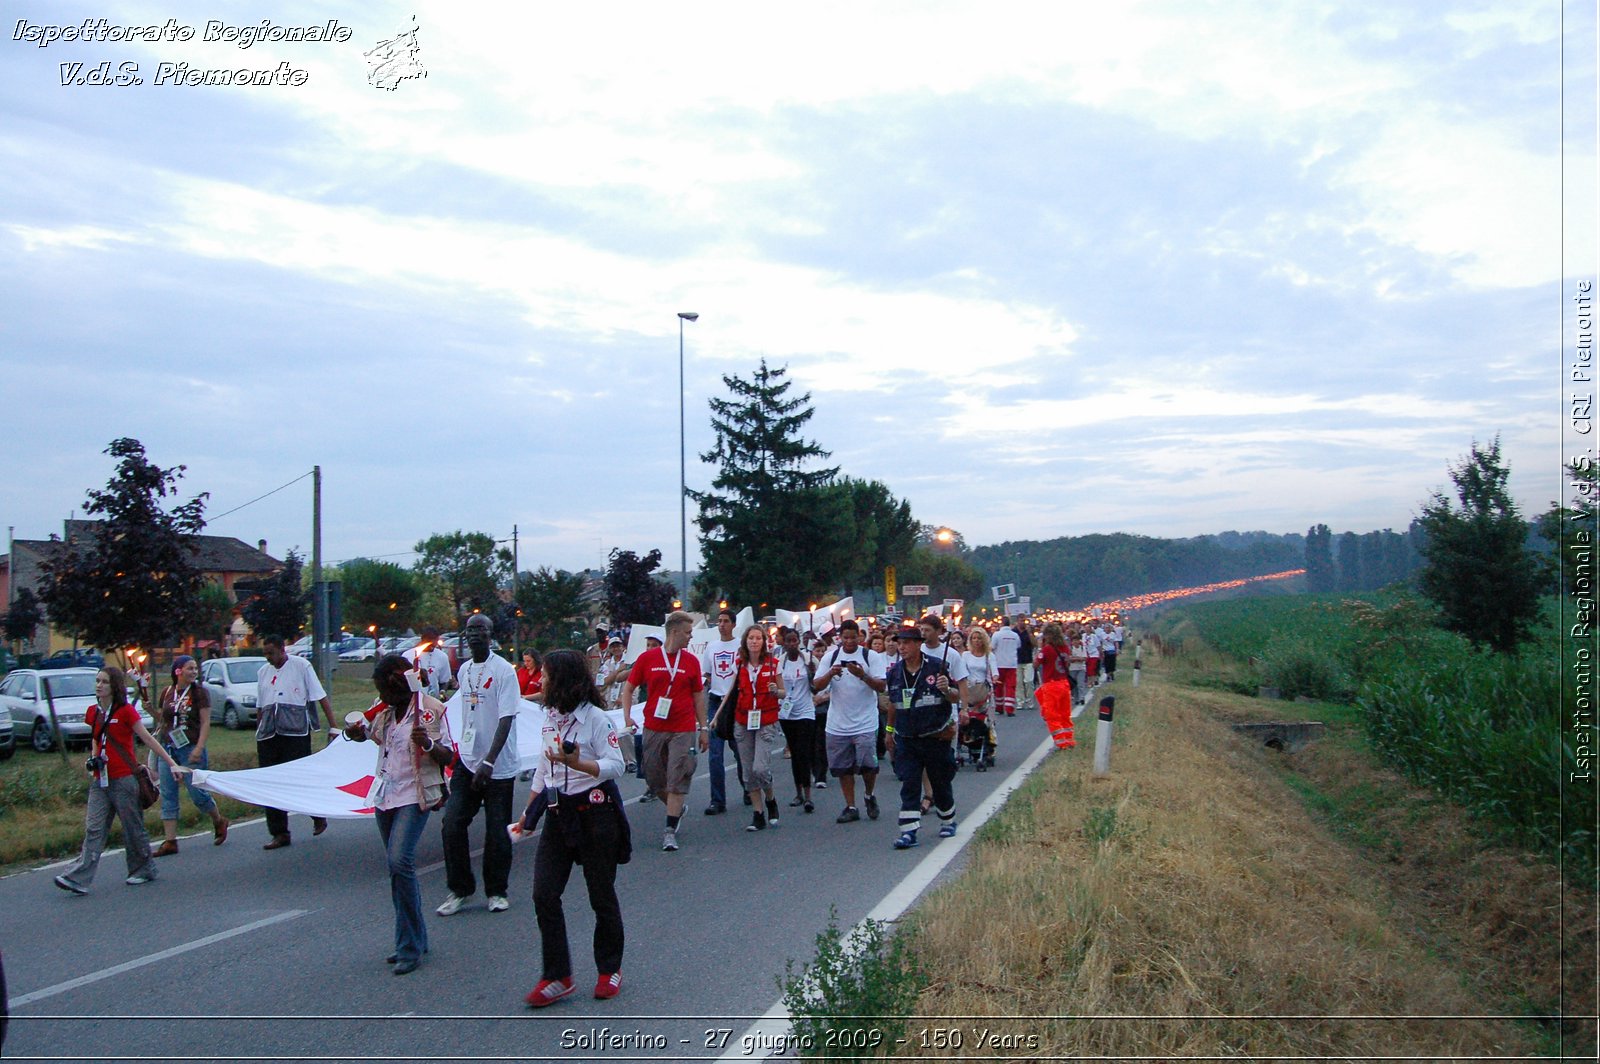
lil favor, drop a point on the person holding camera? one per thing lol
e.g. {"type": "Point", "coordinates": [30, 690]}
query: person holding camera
{"type": "Point", "coordinates": [408, 785]}
{"type": "Point", "coordinates": [114, 790]}
{"type": "Point", "coordinates": [575, 781]}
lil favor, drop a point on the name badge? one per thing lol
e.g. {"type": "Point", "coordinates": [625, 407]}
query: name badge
{"type": "Point", "coordinates": [905, 699]}
{"type": "Point", "coordinates": [380, 783]}
{"type": "Point", "coordinates": [467, 735]}
{"type": "Point", "coordinates": [755, 720]}
{"type": "Point", "coordinates": [929, 700]}
{"type": "Point", "coordinates": [662, 708]}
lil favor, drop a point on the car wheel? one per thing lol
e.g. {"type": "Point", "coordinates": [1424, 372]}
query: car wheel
{"type": "Point", "coordinates": [230, 717]}
{"type": "Point", "coordinates": [41, 738]}
{"type": "Point", "coordinates": [7, 751]}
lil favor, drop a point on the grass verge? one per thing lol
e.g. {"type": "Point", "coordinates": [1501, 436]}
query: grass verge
{"type": "Point", "coordinates": [1216, 898]}
{"type": "Point", "coordinates": [42, 799]}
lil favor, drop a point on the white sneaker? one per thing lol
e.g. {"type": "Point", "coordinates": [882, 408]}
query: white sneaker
{"type": "Point", "coordinates": [669, 841]}
{"type": "Point", "coordinates": [451, 905]}
{"type": "Point", "coordinates": [498, 903]}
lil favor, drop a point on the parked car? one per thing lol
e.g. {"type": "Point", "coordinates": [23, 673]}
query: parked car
{"type": "Point", "coordinates": [301, 646]}
{"type": "Point", "coordinates": [231, 685]}
{"type": "Point", "coordinates": [22, 695]}
{"type": "Point", "coordinates": [398, 644]}
{"type": "Point", "coordinates": [8, 737]}
{"type": "Point", "coordinates": [361, 648]}
{"type": "Point", "coordinates": [73, 659]}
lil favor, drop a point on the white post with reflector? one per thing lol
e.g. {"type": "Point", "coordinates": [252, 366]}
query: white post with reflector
{"type": "Point", "coordinates": [1102, 737]}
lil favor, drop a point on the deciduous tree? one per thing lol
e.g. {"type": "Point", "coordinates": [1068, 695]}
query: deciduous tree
{"type": "Point", "coordinates": [23, 616]}
{"type": "Point", "coordinates": [379, 593]}
{"type": "Point", "coordinates": [470, 567]}
{"type": "Point", "coordinates": [1320, 574]}
{"type": "Point", "coordinates": [633, 595]}
{"type": "Point", "coordinates": [132, 581]}
{"type": "Point", "coordinates": [551, 601]}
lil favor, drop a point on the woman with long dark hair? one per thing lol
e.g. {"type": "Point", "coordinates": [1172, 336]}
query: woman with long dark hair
{"type": "Point", "coordinates": [184, 725]}
{"type": "Point", "coordinates": [758, 688]}
{"type": "Point", "coordinates": [580, 761]}
{"type": "Point", "coordinates": [113, 790]}
{"type": "Point", "coordinates": [407, 787]}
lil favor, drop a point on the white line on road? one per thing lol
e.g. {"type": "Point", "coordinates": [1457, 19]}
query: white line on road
{"type": "Point", "coordinates": [153, 958]}
{"type": "Point", "coordinates": [772, 1028]}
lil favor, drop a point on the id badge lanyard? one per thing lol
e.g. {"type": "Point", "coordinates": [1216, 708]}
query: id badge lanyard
{"type": "Point", "coordinates": [753, 719]}
{"type": "Point", "coordinates": [664, 702]}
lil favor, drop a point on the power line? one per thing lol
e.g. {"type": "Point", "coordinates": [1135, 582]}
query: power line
{"type": "Point", "coordinates": [252, 502]}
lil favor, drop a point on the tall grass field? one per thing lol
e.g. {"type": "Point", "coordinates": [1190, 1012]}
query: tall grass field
{"type": "Point", "coordinates": [1485, 729]}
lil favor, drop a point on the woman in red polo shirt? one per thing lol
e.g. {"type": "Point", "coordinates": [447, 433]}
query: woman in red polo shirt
{"type": "Point", "coordinates": [760, 687]}
{"type": "Point", "coordinates": [112, 788]}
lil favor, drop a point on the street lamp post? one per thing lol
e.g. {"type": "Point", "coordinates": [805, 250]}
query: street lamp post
{"type": "Point", "coordinates": [683, 469]}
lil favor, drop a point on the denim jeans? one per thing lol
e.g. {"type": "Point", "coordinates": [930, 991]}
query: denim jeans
{"type": "Point", "coordinates": [121, 800]}
{"type": "Point", "coordinates": [169, 783]}
{"type": "Point", "coordinates": [400, 830]}
{"type": "Point", "coordinates": [459, 811]}
{"type": "Point", "coordinates": [717, 766]}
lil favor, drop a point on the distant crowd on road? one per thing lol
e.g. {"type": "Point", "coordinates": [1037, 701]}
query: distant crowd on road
{"type": "Point", "coordinates": [834, 704]}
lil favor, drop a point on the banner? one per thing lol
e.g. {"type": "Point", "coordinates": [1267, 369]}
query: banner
{"type": "Point", "coordinates": [699, 636]}
{"type": "Point", "coordinates": [334, 781]}
{"type": "Point", "coordinates": [820, 620]}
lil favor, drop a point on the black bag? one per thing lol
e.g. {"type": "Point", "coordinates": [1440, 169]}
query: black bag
{"type": "Point", "coordinates": [722, 725]}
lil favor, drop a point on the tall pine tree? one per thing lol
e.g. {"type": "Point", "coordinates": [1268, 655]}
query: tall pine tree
{"type": "Point", "coordinates": [1320, 574]}
{"type": "Point", "coordinates": [767, 525]}
{"type": "Point", "coordinates": [1479, 572]}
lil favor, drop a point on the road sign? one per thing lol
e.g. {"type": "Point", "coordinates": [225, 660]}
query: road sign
{"type": "Point", "coordinates": [914, 590]}
{"type": "Point", "coordinates": [888, 584]}
{"type": "Point", "coordinates": [954, 605]}
{"type": "Point", "coordinates": [1002, 592]}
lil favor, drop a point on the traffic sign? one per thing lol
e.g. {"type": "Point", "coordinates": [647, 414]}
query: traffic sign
{"type": "Point", "coordinates": [914, 590]}
{"type": "Point", "coordinates": [888, 584]}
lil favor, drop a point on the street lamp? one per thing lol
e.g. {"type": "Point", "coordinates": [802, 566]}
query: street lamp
{"type": "Point", "coordinates": [683, 464]}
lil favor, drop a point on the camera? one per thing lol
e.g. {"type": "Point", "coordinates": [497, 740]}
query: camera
{"type": "Point", "coordinates": [568, 746]}
{"type": "Point", "coordinates": [95, 764]}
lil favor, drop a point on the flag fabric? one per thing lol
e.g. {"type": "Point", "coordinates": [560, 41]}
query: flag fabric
{"type": "Point", "coordinates": [334, 782]}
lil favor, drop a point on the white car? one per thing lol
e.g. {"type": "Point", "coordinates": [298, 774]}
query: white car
{"type": "Point", "coordinates": [231, 685]}
{"type": "Point", "coordinates": [23, 695]}
{"type": "Point", "coordinates": [360, 648]}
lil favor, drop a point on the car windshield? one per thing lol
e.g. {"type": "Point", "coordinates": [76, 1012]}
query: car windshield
{"type": "Point", "coordinates": [71, 685]}
{"type": "Point", "coordinates": [243, 671]}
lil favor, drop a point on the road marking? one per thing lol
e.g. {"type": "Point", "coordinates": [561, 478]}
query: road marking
{"type": "Point", "coordinates": [153, 958]}
{"type": "Point", "coordinates": [772, 1027]}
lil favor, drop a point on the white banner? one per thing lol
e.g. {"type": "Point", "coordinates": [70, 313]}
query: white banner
{"type": "Point", "coordinates": [699, 636]}
{"type": "Point", "coordinates": [333, 782]}
{"type": "Point", "coordinates": [820, 620]}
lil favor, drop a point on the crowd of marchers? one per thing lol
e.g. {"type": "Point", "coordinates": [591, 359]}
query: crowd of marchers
{"type": "Point", "coordinates": [834, 705]}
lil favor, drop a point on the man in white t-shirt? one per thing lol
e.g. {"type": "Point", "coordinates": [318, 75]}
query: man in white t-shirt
{"type": "Point", "coordinates": [719, 667]}
{"type": "Point", "coordinates": [432, 663]}
{"type": "Point", "coordinates": [288, 694]}
{"type": "Point", "coordinates": [853, 677]}
{"type": "Point", "coordinates": [484, 772]}
{"type": "Point", "coordinates": [1004, 644]}
{"type": "Point", "coordinates": [934, 646]}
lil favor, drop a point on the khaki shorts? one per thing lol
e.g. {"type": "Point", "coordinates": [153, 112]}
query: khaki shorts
{"type": "Point", "coordinates": [669, 760]}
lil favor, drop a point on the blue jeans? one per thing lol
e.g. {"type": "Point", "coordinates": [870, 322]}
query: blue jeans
{"type": "Point", "coordinates": [169, 783]}
{"type": "Point", "coordinates": [717, 766]}
{"type": "Point", "coordinates": [400, 829]}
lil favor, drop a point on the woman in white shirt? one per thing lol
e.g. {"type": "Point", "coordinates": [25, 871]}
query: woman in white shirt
{"type": "Point", "coordinates": [797, 715]}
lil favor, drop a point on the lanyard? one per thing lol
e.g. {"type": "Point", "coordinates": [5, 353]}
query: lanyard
{"type": "Point", "coordinates": [672, 670]}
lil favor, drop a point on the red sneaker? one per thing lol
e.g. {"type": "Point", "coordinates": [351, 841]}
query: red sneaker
{"type": "Point", "coordinates": [548, 992]}
{"type": "Point", "coordinates": [608, 985]}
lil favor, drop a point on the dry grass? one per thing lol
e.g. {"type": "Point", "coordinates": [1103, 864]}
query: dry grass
{"type": "Point", "coordinates": [1193, 884]}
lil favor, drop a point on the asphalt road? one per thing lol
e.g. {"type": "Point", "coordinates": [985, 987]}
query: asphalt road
{"type": "Point", "coordinates": [235, 953]}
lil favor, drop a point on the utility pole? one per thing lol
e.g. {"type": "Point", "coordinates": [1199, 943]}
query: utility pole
{"type": "Point", "coordinates": [516, 609]}
{"type": "Point", "coordinates": [319, 591]}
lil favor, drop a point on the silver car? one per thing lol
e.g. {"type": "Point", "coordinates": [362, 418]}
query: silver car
{"type": "Point", "coordinates": [22, 695]}
{"type": "Point", "coordinates": [231, 685]}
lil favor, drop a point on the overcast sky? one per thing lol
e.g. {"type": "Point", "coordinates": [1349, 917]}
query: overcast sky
{"type": "Point", "coordinates": [1046, 268]}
